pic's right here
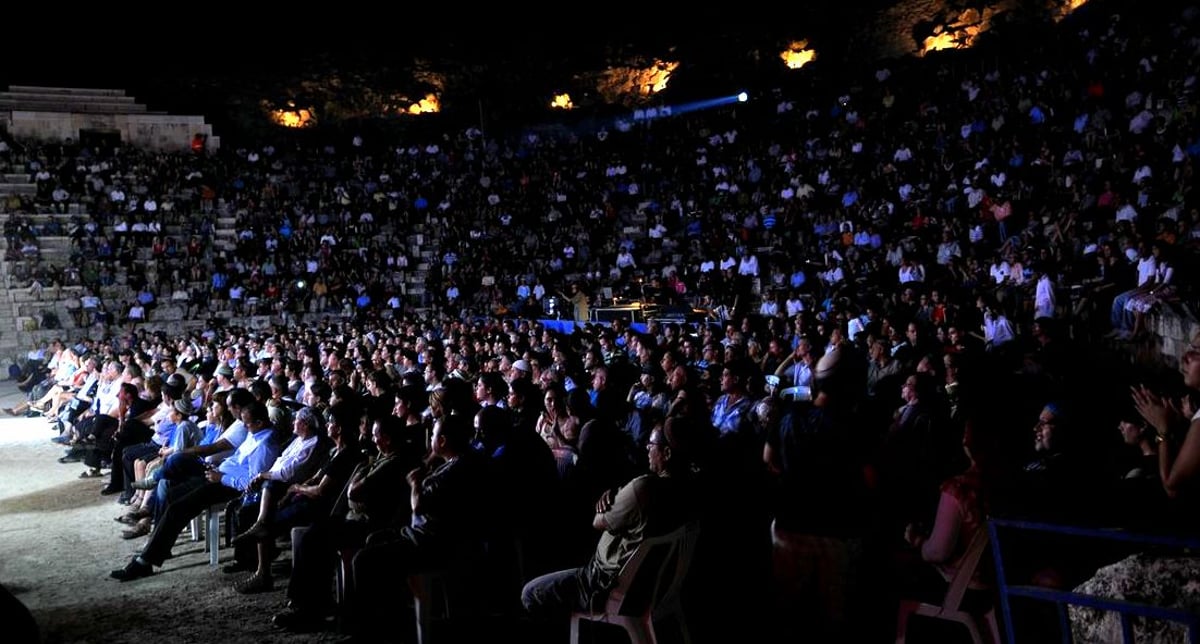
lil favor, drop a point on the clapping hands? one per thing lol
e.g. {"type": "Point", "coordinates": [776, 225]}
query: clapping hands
{"type": "Point", "coordinates": [1159, 411]}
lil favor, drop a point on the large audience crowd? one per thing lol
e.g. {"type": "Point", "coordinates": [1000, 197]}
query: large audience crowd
{"type": "Point", "coordinates": [881, 311]}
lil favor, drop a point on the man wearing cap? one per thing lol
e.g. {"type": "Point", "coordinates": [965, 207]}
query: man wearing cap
{"type": "Point", "coordinates": [224, 377]}
{"type": "Point", "coordinates": [652, 504]}
{"type": "Point", "coordinates": [520, 371]}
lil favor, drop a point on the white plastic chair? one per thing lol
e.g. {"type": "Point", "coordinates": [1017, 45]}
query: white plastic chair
{"type": "Point", "coordinates": [799, 392]}
{"type": "Point", "coordinates": [950, 608]}
{"type": "Point", "coordinates": [664, 584]}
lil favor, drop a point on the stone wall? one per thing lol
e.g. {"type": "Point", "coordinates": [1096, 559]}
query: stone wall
{"type": "Point", "coordinates": [162, 132]}
{"type": "Point", "coordinates": [1174, 326]}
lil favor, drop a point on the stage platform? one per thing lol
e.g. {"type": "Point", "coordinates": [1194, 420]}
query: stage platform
{"type": "Point", "coordinates": [567, 327]}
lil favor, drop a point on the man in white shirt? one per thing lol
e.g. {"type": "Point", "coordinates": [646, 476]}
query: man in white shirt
{"type": "Point", "coordinates": [948, 249]}
{"type": "Point", "coordinates": [1122, 319]}
{"type": "Point", "coordinates": [137, 313]}
{"type": "Point", "coordinates": [727, 262]}
{"type": "Point", "coordinates": [225, 482]}
{"type": "Point", "coordinates": [625, 261]}
{"type": "Point", "coordinates": [795, 305]}
{"type": "Point", "coordinates": [748, 266]}
{"type": "Point", "coordinates": [911, 271]}
{"type": "Point", "coordinates": [1044, 302]}
{"type": "Point", "coordinates": [769, 306]}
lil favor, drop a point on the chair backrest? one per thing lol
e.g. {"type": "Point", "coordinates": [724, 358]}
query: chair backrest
{"type": "Point", "coordinates": [654, 575]}
{"type": "Point", "coordinates": [962, 578]}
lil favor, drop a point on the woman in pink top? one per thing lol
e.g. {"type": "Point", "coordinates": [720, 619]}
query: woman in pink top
{"type": "Point", "coordinates": [961, 512]}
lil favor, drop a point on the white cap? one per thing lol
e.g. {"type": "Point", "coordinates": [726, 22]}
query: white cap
{"type": "Point", "coordinates": [521, 365]}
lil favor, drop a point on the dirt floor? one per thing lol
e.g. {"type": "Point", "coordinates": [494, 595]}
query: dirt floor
{"type": "Point", "coordinates": [58, 542]}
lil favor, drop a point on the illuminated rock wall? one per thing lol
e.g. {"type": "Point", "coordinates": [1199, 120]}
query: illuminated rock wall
{"type": "Point", "coordinates": [913, 27]}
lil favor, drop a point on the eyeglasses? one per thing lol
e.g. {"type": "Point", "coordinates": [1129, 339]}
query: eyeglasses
{"type": "Point", "coordinates": [1042, 422]}
{"type": "Point", "coordinates": [1192, 351]}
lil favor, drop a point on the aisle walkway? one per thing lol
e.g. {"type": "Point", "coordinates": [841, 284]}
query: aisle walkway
{"type": "Point", "coordinates": [58, 542]}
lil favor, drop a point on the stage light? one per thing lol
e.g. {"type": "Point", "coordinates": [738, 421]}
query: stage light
{"type": "Point", "coordinates": [743, 97]}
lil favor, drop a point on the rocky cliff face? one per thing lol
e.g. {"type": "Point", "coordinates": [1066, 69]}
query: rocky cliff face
{"type": "Point", "coordinates": [523, 69]}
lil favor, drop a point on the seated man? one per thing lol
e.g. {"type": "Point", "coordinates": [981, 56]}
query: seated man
{"type": "Point", "coordinates": [375, 498]}
{"type": "Point", "coordinates": [225, 482]}
{"type": "Point", "coordinates": [651, 504]}
{"type": "Point", "coordinates": [446, 526]}
{"type": "Point", "coordinates": [304, 454]}
{"type": "Point", "coordinates": [183, 471]}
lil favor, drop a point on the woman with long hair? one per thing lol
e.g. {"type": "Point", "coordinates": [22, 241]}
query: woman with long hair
{"type": "Point", "coordinates": [963, 506]}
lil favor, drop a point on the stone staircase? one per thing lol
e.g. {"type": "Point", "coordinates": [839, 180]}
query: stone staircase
{"type": "Point", "coordinates": [424, 250]}
{"type": "Point", "coordinates": [70, 99]}
{"type": "Point", "coordinates": [15, 184]}
{"type": "Point", "coordinates": [22, 308]}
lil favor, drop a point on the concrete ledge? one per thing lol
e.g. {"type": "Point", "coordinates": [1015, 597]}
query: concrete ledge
{"type": "Point", "coordinates": [89, 107]}
{"type": "Point", "coordinates": [158, 132]}
{"type": "Point", "coordinates": [65, 91]}
{"type": "Point", "coordinates": [1175, 326]}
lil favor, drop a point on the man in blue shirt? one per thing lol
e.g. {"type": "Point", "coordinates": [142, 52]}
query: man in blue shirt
{"type": "Point", "coordinates": [146, 297]}
{"type": "Point", "coordinates": [225, 482]}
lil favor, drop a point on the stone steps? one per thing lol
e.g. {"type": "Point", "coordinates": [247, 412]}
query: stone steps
{"type": "Point", "coordinates": [18, 188]}
{"type": "Point", "coordinates": [66, 91]}
{"type": "Point", "coordinates": [90, 107]}
{"type": "Point", "coordinates": [25, 98]}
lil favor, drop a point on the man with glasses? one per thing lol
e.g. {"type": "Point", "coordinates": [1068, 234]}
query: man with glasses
{"type": "Point", "coordinates": [651, 504]}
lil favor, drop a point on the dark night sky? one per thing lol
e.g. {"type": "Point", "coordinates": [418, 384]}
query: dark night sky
{"type": "Point", "coordinates": [125, 49]}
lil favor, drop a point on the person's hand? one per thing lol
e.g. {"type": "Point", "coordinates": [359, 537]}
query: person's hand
{"type": "Point", "coordinates": [606, 501]}
{"type": "Point", "coordinates": [1158, 411]}
{"type": "Point", "coordinates": [913, 536]}
{"type": "Point", "coordinates": [415, 477]}
{"type": "Point", "coordinates": [213, 476]}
